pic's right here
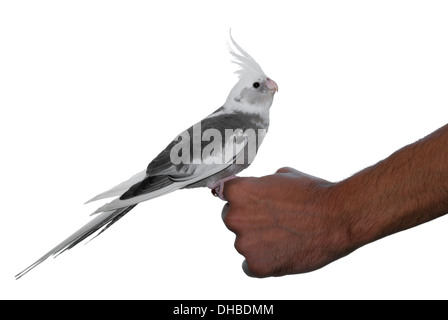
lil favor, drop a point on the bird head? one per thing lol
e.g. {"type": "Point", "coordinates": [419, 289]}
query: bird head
{"type": "Point", "coordinates": [254, 92]}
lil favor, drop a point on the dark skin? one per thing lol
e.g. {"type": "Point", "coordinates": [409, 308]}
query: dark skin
{"type": "Point", "coordinates": [291, 222]}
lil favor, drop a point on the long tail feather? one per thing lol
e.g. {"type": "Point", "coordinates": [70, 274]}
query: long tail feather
{"type": "Point", "coordinates": [121, 188]}
{"type": "Point", "coordinates": [98, 224]}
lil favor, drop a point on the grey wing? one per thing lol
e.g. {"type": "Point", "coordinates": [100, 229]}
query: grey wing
{"type": "Point", "coordinates": [164, 170]}
{"type": "Point", "coordinates": [164, 177]}
{"type": "Point", "coordinates": [161, 173]}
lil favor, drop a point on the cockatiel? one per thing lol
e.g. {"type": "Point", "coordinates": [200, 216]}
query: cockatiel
{"type": "Point", "coordinates": [191, 160]}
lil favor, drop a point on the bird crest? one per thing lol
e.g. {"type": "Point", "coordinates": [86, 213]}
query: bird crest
{"type": "Point", "coordinates": [248, 65]}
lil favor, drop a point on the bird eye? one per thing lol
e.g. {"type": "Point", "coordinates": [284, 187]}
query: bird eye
{"type": "Point", "coordinates": [256, 85]}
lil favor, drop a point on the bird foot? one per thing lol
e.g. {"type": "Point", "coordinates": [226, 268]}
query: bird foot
{"type": "Point", "coordinates": [218, 187]}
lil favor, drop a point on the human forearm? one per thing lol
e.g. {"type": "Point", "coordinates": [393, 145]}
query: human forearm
{"type": "Point", "coordinates": [408, 188]}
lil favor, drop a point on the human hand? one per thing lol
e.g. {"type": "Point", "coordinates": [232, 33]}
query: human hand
{"type": "Point", "coordinates": [284, 223]}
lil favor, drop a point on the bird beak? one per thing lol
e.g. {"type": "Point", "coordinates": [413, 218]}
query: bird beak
{"type": "Point", "coordinates": [271, 85]}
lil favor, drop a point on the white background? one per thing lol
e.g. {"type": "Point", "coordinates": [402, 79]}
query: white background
{"type": "Point", "coordinates": [91, 91]}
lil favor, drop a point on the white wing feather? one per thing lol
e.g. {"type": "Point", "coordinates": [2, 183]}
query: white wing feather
{"type": "Point", "coordinates": [121, 188]}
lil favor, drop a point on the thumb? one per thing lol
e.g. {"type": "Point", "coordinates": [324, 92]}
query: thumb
{"type": "Point", "coordinates": [231, 188]}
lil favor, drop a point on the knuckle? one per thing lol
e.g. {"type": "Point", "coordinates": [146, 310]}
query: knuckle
{"type": "Point", "coordinates": [256, 270]}
{"type": "Point", "coordinates": [239, 245]}
{"type": "Point", "coordinates": [225, 211]}
{"type": "Point", "coordinates": [231, 220]}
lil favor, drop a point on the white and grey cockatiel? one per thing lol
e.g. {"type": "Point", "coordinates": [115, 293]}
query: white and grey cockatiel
{"type": "Point", "coordinates": [242, 121]}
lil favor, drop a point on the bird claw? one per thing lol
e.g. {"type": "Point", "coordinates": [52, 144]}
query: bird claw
{"type": "Point", "coordinates": [219, 192]}
{"type": "Point", "coordinates": [218, 187]}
